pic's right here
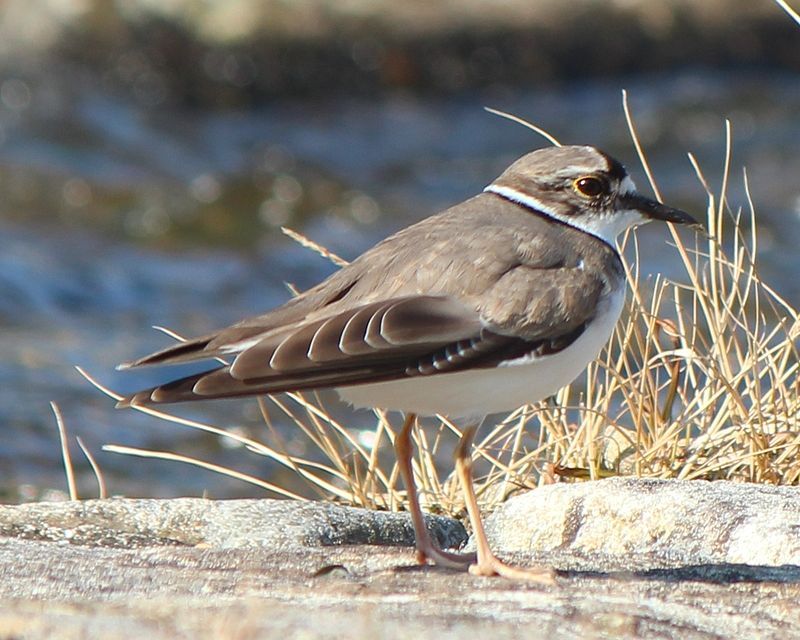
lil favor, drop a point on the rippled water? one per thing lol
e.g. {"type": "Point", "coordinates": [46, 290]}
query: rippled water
{"type": "Point", "coordinates": [114, 220]}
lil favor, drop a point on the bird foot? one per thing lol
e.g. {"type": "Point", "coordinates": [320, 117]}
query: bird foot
{"type": "Point", "coordinates": [492, 566]}
{"type": "Point", "coordinates": [447, 559]}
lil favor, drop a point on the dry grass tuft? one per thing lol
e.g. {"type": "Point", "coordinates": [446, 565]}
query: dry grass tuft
{"type": "Point", "coordinates": [699, 381]}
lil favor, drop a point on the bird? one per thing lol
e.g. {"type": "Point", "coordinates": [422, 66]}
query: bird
{"type": "Point", "coordinates": [489, 305]}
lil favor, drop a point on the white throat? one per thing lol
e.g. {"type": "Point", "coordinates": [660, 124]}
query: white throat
{"type": "Point", "coordinates": [606, 227]}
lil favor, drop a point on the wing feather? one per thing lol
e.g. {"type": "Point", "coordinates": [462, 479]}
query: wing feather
{"type": "Point", "coordinates": [372, 335]}
{"type": "Point", "coordinates": [352, 342]}
{"type": "Point", "coordinates": [405, 327]}
{"type": "Point", "coordinates": [412, 335]}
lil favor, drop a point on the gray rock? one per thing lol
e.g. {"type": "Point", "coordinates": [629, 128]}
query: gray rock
{"type": "Point", "coordinates": [265, 569]}
{"type": "Point", "coordinates": [225, 524]}
{"type": "Point", "coordinates": [622, 522]}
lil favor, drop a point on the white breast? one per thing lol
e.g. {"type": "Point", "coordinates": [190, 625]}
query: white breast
{"type": "Point", "coordinates": [478, 392]}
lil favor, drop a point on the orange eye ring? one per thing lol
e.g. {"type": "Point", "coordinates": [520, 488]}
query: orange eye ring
{"type": "Point", "coordinates": [590, 186]}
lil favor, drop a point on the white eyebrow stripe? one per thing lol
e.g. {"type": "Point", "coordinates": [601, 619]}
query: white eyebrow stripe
{"type": "Point", "coordinates": [572, 170]}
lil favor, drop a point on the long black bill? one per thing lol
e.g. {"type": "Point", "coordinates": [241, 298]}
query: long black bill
{"type": "Point", "coordinates": [656, 210]}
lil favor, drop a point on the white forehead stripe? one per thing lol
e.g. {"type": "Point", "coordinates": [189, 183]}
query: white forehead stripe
{"type": "Point", "coordinates": [606, 227]}
{"type": "Point", "coordinates": [626, 187]}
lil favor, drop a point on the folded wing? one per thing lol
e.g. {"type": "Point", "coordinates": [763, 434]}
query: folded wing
{"type": "Point", "coordinates": [385, 340]}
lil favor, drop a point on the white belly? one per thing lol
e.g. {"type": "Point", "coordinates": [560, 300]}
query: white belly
{"type": "Point", "coordinates": [478, 392]}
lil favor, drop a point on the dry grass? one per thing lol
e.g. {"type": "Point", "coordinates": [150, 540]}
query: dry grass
{"type": "Point", "coordinates": [699, 381]}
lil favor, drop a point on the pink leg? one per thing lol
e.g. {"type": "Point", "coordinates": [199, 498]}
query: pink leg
{"type": "Point", "coordinates": [487, 563]}
{"type": "Point", "coordinates": [426, 549]}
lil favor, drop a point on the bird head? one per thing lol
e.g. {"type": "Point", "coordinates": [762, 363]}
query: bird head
{"type": "Point", "coordinates": [583, 187]}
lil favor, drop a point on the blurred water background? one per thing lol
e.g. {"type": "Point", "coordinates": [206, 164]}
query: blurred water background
{"type": "Point", "coordinates": [150, 152]}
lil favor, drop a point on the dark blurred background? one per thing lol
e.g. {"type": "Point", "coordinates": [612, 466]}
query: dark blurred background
{"type": "Point", "coordinates": [150, 151]}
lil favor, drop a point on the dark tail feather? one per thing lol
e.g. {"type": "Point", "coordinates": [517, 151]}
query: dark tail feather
{"type": "Point", "coordinates": [218, 383]}
{"type": "Point", "coordinates": [183, 352]}
{"type": "Point", "coordinates": [183, 390]}
{"type": "Point", "coordinates": [176, 391]}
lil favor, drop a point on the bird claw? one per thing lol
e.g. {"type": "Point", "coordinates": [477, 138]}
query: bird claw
{"type": "Point", "coordinates": [492, 566]}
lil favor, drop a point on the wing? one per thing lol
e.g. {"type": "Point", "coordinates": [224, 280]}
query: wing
{"type": "Point", "coordinates": [486, 303]}
{"type": "Point", "coordinates": [402, 266]}
{"type": "Point", "coordinates": [391, 339]}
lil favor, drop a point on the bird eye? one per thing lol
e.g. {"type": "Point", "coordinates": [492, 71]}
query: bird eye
{"type": "Point", "coordinates": [590, 186]}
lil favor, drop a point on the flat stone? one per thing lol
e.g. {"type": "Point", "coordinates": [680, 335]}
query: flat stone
{"type": "Point", "coordinates": [166, 569]}
{"type": "Point", "coordinates": [624, 522]}
{"type": "Point", "coordinates": [216, 524]}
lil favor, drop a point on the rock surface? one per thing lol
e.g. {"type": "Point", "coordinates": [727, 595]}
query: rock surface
{"type": "Point", "coordinates": [666, 522]}
{"type": "Point", "coordinates": [217, 524]}
{"type": "Point", "coordinates": [637, 558]}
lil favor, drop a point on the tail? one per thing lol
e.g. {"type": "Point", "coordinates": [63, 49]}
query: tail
{"type": "Point", "coordinates": [219, 383]}
{"type": "Point", "coordinates": [188, 351]}
{"type": "Point", "coordinates": [181, 390]}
